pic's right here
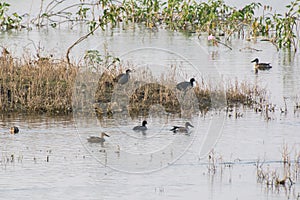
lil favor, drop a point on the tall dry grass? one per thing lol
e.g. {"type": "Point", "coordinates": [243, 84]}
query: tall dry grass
{"type": "Point", "coordinates": [35, 86]}
{"type": "Point", "coordinates": [47, 86]}
{"type": "Point", "coordinates": [285, 175]}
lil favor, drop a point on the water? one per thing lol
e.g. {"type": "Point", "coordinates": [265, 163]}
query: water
{"type": "Point", "coordinates": [52, 159]}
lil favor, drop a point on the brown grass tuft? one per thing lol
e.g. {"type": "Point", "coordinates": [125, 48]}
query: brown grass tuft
{"type": "Point", "coordinates": [36, 86]}
{"type": "Point", "coordinates": [47, 86]}
{"type": "Point", "coordinates": [150, 94]}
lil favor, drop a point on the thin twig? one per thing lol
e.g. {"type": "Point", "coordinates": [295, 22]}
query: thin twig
{"type": "Point", "coordinates": [252, 49]}
{"type": "Point", "coordinates": [80, 40]}
{"type": "Point", "coordinates": [272, 41]}
{"type": "Point", "coordinates": [218, 41]}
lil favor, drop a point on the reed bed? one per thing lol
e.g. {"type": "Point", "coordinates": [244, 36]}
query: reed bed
{"type": "Point", "coordinates": [140, 94]}
{"type": "Point", "coordinates": [36, 86]}
{"type": "Point", "coordinates": [48, 85]}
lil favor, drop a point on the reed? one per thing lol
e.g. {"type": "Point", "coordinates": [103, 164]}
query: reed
{"type": "Point", "coordinates": [212, 162]}
{"type": "Point", "coordinates": [36, 86]}
{"type": "Point", "coordinates": [285, 175]}
{"type": "Point", "coordinates": [47, 86]}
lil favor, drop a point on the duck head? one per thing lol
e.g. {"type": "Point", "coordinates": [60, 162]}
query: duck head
{"type": "Point", "coordinates": [187, 124]}
{"type": "Point", "coordinates": [144, 123]}
{"type": "Point", "coordinates": [104, 134]}
{"type": "Point", "coordinates": [14, 130]}
{"type": "Point", "coordinates": [255, 60]}
{"type": "Point", "coordinates": [192, 81]}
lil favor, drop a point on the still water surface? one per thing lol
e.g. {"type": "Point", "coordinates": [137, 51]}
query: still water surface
{"type": "Point", "coordinates": [52, 159]}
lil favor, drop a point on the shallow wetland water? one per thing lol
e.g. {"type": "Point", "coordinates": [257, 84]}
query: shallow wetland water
{"type": "Point", "coordinates": [51, 159]}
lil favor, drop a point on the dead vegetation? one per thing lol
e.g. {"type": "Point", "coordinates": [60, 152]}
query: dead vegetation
{"type": "Point", "coordinates": [285, 175]}
{"type": "Point", "coordinates": [35, 86]}
{"type": "Point", "coordinates": [47, 86]}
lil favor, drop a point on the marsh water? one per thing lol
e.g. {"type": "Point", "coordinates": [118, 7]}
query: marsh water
{"type": "Point", "coordinates": [51, 159]}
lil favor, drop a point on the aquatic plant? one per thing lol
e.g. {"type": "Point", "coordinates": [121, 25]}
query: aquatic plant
{"type": "Point", "coordinates": [8, 22]}
{"type": "Point", "coordinates": [94, 59]}
{"type": "Point", "coordinates": [212, 162]}
{"type": "Point", "coordinates": [285, 175]}
{"type": "Point", "coordinates": [56, 13]}
{"type": "Point", "coordinates": [282, 30]}
{"type": "Point", "coordinates": [287, 30]}
{"type": "Point", "coordinates": [213, 17]}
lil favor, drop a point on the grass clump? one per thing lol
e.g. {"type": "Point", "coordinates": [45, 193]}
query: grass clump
{"type": "Point", "coordinates": [285, 175]}
{"type": "Point", "coordinates": [150, 94]}
{"type": "Point", "coordinates": [48, 86]}
{"type": "Point", "coordinates": [35, 86]}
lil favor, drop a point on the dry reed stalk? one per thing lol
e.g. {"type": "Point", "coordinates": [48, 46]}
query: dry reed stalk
{"type": "Point", "coordinates": [151, 94]}
{"type": "Point", "coordinates": [47, 86]}
{"type": "Point", "coordinates": [289, 172]}
{"type": "Point", "coordinates": [36, 86]}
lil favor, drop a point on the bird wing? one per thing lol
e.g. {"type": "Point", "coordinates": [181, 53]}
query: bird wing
{"type": "Point", "coordinates": [118, 77]}
{"type": "Point", "coordinates": [264, 66]}
{"type": "Point", "coordinates": [136, 128]}
{"type": "Point", "coordinates": [180, 86]}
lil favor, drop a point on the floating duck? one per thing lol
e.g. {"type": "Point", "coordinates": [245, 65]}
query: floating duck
{"type": "Point", "coordinates": [14, 130]}
{"type": "Point", "coordinates": [260, 66]}
{"type": "Point", "coordinates": [185, 85]}
{"type": "Point", "coordinates": [141, 128]}
{"type": "Point", "coordinates": [96, 139]}
{"type": "Point", "coordinates": [181, 129]}
{"type": "Point", "coordinates": [123, 78]}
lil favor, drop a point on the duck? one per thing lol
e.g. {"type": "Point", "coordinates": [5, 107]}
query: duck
{"type": "Point", "coordinates": [141, 128]}
{"type": "Point", "coordinates": [123, 78]}
{"type": "Point", "coordinates": [181, 129]}
{"type": "Point", "coordinates": [185, 85]}
{"type": "Point", "coordinates": [260, 66]}
{"type": "Point", "coordinates": [14, 130]}
{"type": "Point", "coordinates": [96, 139]}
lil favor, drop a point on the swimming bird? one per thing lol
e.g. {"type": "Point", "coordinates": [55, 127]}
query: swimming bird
{"type": "Point", "coordinates": [14, 130]}
{"type": "Point", "coordinates": [123, 78]}
{"type": "Point", "coordinates": [181, 129]}
{"type": "Point", "coordinates": [185, 85]}
{"type": "Point", "coordinates": [96, 139]}
{"type": "Point", "coordinates": [260, 66]}
{"type": "Point", "coordinates": [141, 128]}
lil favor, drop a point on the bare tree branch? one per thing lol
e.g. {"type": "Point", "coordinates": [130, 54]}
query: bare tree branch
{"type": "Point", "coordinates": [78, 41]}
